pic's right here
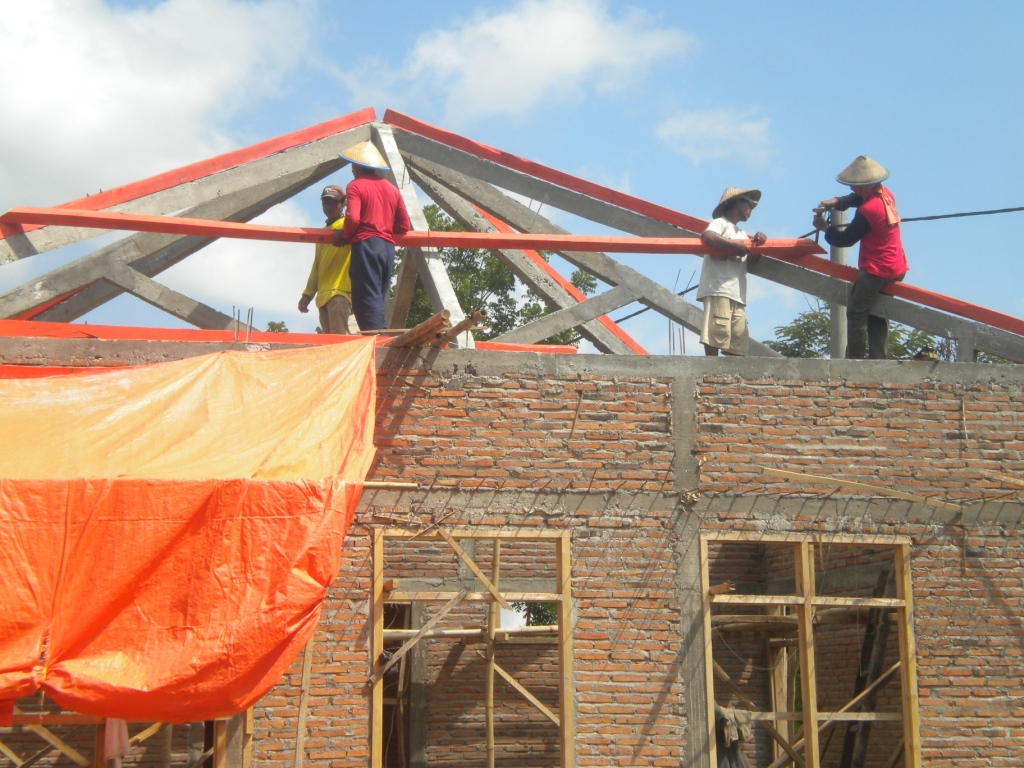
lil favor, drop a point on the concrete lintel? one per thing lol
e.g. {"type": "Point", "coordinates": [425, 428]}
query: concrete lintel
{"type": "Point", "coordinates": [564, 319]}
{"type": "Point", "coordinates": [541, 191]}
{"type": "Point", "coordinates": [542, 284]}
{"type": "Point", "coordinates": [685, 467]}
{"type": "Point", "coordinates": [193, 193]}
{"type": "Point", "coordinates": [431, 268]}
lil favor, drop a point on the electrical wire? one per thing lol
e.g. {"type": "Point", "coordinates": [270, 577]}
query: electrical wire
{"type": "Point", "coordinates": [949, 216]}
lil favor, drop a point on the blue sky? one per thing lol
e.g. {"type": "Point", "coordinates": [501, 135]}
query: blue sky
{"type": "Point", "coordinates": [669, 101]}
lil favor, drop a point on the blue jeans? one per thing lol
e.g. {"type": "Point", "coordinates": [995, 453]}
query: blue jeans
{"type": "Point", "coordinates": [370, 270]}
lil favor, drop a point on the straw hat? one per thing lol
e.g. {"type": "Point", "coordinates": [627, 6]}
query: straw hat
{"type": "Point", "coordinates": [862, 172]}
{"type": "Point", "coordinates": [366, 155]}
{"type": "Point", "coordinates": [753, 195]}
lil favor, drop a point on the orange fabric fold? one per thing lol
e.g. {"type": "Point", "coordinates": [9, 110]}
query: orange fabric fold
{"type": "Point", "coordinates": [168, 533]}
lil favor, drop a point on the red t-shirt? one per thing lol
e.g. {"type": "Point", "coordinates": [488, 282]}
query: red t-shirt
{"type": "Point", "coordinates": [881, 250]}
{"type": "Point", "coordinates": [375, 209]}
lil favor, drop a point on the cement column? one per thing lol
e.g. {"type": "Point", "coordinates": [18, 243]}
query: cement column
{"type": "Point", "coordinates": [837, 312]}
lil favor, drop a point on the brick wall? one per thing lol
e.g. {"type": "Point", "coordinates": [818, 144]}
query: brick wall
{"type": "Point", "coordinates": [583, 449]}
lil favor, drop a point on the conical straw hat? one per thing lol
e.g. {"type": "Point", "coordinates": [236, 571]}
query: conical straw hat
{"type": "Point", "coordinates": [366, 155]}
{"type": "Point", "coordinates": [753, 195]}
{"type": "Point", "coordinates": [862, 172]}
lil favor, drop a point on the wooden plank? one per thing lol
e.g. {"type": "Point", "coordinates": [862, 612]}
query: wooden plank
{"type": "Point", "coordinates": [525, 693]}
{"type": "Point", "coordinates": [141, 736]}
{"type": "Point", "coordinates": [709, 672]}
{"type": "Point", "coordinates": [378, 675]}
{"type": "Point", "coordinates": [220, 743]}
{"type": "Point", "coordinates": [792, 538]}
{"type": "Point", "coordinates": [871, 717]}
{"type": "Point", "coordinates": [180, 225]}
{"type": "Point", "coordinates": [875, 489]}
{"type": "Point", "coordinates": [474, 568]}
{"type": "Point", "coordinates": [474, 597]}
{"type": "Point", "coordinates": [755, 599]}
{"type": "Point", "coordinates": [194, 171]}
{"type": "Point", "coordinates": [804, 561]}
{"type": "Point", "coordinates": [908, 659]}
{"type": "Point", "coordinates": [493, 621]}
{"type": "Point", "coordinates": [475, 533]}
{"type": "Point", "coordinates": [566, 687]}
{"type": "Point", "coordinates": [167, 747]}
{"type": "Point", "coordinates": [100, 745]}
{"type": "Point", "coordinates": [59, 744]}
{"type": "Point", "coordinates": [376, 648]}
{"type": "Point", "coordinates": [11, 755]}
{"type": "Point", "coordinates": [614, 197]}
{"type": "Point", "coordinates": [300, 725]}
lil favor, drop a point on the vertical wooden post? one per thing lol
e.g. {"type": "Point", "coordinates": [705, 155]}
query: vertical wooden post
{"type": "Point", "coordinates": [220, 743]}
{"type": "Point", "coordinates": [300, 725]}
{"type": "Point", "coordinates": [805, 618]}
{"type": "Point", "coordinates": [709, 667]}
{"type": "Point", "coordinates": [908, 659]}
{"type": "Point", "coordinates": [566, 695]}
{"type": "Point", "coordinates": [493, 615]}
{"type": "Point", "coordinates": [248, 734]}
{"type": "Point", "coordinates": [166, 746]}
{"type": "Point", "coordinates": [376, 648]}
{"type": "Point", "coordinates": [99, 758]}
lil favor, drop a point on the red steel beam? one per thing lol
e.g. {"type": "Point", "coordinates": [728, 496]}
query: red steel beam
{"type": "Point", "coordinates": [203, 168]}
{"type": "Point", "coordinates": [177, 225]}
{"type": "Point", "coordinates": [795, 251]}
{"type": "Point", "coordinates": [576, 184]}
{"type": "Point", "coordinates": [569, 288]}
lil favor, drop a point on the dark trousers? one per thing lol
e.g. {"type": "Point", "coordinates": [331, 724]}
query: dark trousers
{"type": "Point", "coordinates": [370, 270]}
{"type": "Point", "coordinates": [860, 323]}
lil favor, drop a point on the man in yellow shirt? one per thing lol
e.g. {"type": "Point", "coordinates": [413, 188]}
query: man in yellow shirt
{"type": "Point", "coordinates": [329, 280]}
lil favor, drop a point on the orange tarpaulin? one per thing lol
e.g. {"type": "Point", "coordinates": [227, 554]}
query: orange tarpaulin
{"type": "Point", "coordinates": [167, 533]}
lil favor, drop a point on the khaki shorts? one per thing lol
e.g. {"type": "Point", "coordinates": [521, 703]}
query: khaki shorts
{"type": "Point", "coordinates": [335, 316]}
{"type": "Point", "coordinates": [725, 325]}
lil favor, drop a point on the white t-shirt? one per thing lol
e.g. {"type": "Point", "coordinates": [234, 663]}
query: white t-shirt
{"type": "Point", "coordinates": [724, 275]}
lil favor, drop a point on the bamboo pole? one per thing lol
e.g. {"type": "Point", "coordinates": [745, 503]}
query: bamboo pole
{"type": "Point", "coordinates": [493, 615]}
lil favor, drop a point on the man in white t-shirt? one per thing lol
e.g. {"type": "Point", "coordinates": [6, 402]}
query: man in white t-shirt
{"type": "Point", "coordinates": [723, 278]}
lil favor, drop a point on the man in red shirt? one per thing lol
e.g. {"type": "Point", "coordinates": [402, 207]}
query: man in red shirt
{"type": "Point", "coordinates": [374, 216]}
{"type": "Point", "coordinates": [882, 260]}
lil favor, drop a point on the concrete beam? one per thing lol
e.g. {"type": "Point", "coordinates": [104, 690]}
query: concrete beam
{"type": "Point", "coordinates": [570, 317]}
{"type": "Point", "coordinates": [432, 272]}
{"type": "Point", "coordinates": [148, 253]}
{"type": "Point", "coordinates": [542, 284]}
{"type": "Point", "coordinates": [600, 265]}
{"type": "Point", "coordinates": [535, 189]}
{"type": "Point", "coordinates": [170, 301]}
{"type": "Point", "coordinates": [193, 193]}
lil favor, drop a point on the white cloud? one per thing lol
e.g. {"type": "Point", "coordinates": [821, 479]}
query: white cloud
{"type": "Point", "coordinates": [95, 97]}
{"type": "Point", "coordinates": [718, 133]}
{"type": "Point", "coordinates": [268, 276]}
{"type": "Point", "coordinates": [535, 51]}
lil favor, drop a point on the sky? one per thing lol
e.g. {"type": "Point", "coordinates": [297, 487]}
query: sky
{"type": "Point", "coordinates": [669, 101]}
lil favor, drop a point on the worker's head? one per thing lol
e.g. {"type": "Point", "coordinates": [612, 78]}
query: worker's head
{"type": "Point", "coordinates": [332, 199]}
{"type": "Point", "coordinates": [863, 176]}
{"type": "Point", "coordinates": [736, 204]}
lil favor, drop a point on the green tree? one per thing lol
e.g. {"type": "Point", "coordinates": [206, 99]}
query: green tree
{"type": "Point", "coordinates": [481, 281]}
{"type": "Point", "coordinates": [277, 326]}
{"type": "Point", "coordinates": [808, 336]}
{"type": "Point", "coordinates": [538, 614]}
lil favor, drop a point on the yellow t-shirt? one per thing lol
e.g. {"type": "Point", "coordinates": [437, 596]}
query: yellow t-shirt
{"type": "Point", "coordinates": [329, 276]}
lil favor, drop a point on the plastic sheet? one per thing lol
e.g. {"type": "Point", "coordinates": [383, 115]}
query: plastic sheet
{"type": "Point", "coordinates": [167, 533]}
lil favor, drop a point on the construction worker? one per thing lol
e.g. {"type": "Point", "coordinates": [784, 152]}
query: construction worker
{"type": "Point", "coordinates": [723, 277]}
{"type": "Point", "coordinates": [376, 214]}
{"type": "Point", "coordinates": [882, 259]}
{"type": "Point", "coordinates": [329, 279]}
